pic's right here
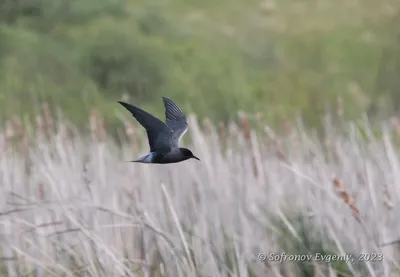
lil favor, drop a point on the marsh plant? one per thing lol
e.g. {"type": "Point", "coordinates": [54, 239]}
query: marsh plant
{"type": "Point", "coordinates": [70, 204]}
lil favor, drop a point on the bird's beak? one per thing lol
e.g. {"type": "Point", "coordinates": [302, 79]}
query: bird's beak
{"type": "Point", "coordinates": [196, 158]}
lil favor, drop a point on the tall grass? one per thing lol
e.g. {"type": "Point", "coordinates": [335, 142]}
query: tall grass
{"type": "Point", "coordinates": [70, 204]}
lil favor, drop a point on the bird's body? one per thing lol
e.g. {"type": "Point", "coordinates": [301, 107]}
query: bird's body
{"type": "Point", "coordinates": [163, 137]}
{"type": "Point", "coordinates": [173, 156]}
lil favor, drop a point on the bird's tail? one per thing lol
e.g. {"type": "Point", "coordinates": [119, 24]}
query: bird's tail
{"type": "Point", "coordinates": [148, 158]}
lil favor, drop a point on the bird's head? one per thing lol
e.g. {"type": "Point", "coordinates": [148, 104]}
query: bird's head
{"type": "Point", "coordinates": [188, 154]}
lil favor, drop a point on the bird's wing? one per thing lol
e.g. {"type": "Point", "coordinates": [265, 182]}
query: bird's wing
{"type": "Point", "coordinates": [158, 133]}
{"type": "Point", "coordinates": [175, 119]}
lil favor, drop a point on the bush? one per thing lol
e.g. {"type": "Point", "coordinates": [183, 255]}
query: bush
{"type": "Point", "coordinates": [123, 62]}
{"type": "Point", "coordinates": [280, 60]}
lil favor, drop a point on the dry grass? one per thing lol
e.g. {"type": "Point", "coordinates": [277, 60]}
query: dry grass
{"type": "Point", "coordinates": [72, 206]}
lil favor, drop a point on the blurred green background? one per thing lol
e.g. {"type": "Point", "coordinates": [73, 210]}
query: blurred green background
{"type": "Point", "coordinates": [281, 58]}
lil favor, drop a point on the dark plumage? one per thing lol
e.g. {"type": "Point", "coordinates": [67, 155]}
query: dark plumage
{"type": "Point", "coordinates": [163, 137]}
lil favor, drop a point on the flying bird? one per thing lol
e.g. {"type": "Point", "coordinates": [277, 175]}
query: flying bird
{"type": "Point", "coordinates": [163, 137]}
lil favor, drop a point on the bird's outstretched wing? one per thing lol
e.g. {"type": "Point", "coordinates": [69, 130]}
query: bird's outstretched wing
{"type": "Point", "coordinates": [158, 133]}
{"type": "Point", "coordinates": [175, 119]}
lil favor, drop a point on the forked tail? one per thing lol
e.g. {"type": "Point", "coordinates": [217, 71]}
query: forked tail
{"type": "Point", "coordinates": [148, 158]}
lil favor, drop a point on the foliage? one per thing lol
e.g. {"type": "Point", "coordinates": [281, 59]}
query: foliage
{"type": "Point", "coordinates": [280, 58]}
{"type": "Point", "coordinates": [303, 238]}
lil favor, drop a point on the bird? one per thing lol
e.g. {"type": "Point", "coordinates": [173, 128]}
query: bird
{"type": "Point", "coordinates": [163, 138]}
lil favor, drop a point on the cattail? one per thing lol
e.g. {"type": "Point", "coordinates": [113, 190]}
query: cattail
{"type": "Point", "coordinates": [3, 140]}
{"type": "Point", "coordinates": [285, 127]}
{"type": "Point", "coordinates": [102, 133]}
{"type": "Point", "coordinates": [93, 123]}
{"type": "Point", "coordinates": [10, 133]}
{"type": "Point", "coordinates": [20, 134]}
{"type": "Point", "coordinates": [207, 125]}
{"type": "Point", "coordinates": [232, 129]}
{"type": "Point", "coordinates": [279, 153]}
{"type": "Point", "coordinates": [245, 126]}
{"type": "Point", "coordinates": [48, 119]}
{"type": "Point", "coordinates": [222, 134]}
{"type": "Point", "coordinates": [396, 125]}
{"type": "Point", "coordinates": [345, 196]}
{"type": "Point", "coordinates": [64, 132]}
{"type": "Point", "coordinates": [131, 134]}
{"type": "Point", "coordinates": [41, 191]}
{"type": "Point", "coordinates": [40, 127]}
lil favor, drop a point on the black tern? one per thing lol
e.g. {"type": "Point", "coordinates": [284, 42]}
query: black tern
{"type": "Point", "coordinates": [163, 137]}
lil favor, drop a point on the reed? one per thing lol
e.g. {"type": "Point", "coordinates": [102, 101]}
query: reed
{"type": "Point", "coordinates": [346, 196]}
{"type": "Point", "coordinates": [71, 206]}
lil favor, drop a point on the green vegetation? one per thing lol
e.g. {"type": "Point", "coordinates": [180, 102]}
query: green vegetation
{"type": "Point", "coordinates": [302, 238]}
{"type": "Point", "coordinates": [280, 58]}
